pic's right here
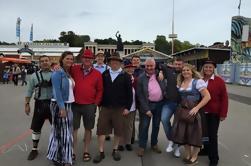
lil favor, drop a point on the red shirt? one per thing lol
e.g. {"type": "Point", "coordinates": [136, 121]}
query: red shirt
{"type": "Point", "coordinates": [88, 88]}
{"type": "Point", "coordinates": [219, 98]}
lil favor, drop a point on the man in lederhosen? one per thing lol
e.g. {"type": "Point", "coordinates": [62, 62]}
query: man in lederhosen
{"type": "Point", "coordinates": [40, 85]}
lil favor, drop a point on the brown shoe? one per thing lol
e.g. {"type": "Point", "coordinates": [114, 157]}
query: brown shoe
{"type": "Point", "coordinates": [156, 149]}
{"type": "Point", "coordinates": [140, 152]}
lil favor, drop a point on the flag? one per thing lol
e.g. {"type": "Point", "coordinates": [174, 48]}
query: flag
{"type": "Point", "coordinates": [31, 33]}
{"type": "Point", "coordinates": [239, 6]}
{"type": "Point", "coordinates": [18, 27]}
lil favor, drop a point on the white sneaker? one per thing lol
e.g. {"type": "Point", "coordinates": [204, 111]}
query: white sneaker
{"type": "Point", "coordinates": [169, 147]}
{"type": "Point", "coordinates": [177, 152]}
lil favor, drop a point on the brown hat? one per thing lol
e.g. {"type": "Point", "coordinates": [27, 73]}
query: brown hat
{"type": "Point", "coordinates": [127, 63]}
{"type": "Point", "coordinates": [208, 61]}
{"type": "Point", "coordinates": [115, 56]}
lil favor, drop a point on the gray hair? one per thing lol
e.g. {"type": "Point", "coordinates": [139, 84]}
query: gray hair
{"type": "Point", "coordinates": [150, 59]}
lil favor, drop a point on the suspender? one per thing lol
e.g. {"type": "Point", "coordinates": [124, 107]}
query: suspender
{"type": "Point", "coordinates": [39, 82]}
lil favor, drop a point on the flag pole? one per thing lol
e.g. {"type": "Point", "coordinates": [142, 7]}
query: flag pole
{"type": "Point", "coordinates": [239, 8]}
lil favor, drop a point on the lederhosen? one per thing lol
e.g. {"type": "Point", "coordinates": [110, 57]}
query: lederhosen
{"type": "Point", "coordinates": [42, 107]}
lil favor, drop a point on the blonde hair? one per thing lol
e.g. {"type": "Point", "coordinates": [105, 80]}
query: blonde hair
{"type": "Point", "coordinates": [203, 74]}
{"type": "Point", "coordinates": [195, 74]}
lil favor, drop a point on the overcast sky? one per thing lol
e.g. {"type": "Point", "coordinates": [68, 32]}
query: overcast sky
{"type": "Point", "coordinates": [197, 21]}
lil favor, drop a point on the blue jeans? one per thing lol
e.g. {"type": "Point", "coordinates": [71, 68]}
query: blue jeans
{"type": "Point", "coordinates": [167, 112]}
{"type": "Point", "coordinates": [145, 122]}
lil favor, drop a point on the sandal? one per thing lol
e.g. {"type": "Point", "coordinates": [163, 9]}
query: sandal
{"type": "Point", "coordinates": [190, 162]}
{"type": "Point", "coordinates": [86, 157]}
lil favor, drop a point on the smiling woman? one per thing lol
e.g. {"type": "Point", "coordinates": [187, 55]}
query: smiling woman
{"type": "Point", "coordinates": [61, 139]}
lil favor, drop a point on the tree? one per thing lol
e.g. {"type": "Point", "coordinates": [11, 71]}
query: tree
{"type": "Point", "coordinates": [46, 41]}
{"type": "Point", "coordinates": [73, 39]}
{"type": "Point", "coordinates": [162, 45]}
{"type": "Point", "coordinates": [106, 41]}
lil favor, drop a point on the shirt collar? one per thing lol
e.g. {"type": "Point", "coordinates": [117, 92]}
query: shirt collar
{"type": "Point", "coordinates": [114, 72]}
{"type": "Point", "coordinates": [87, 70]}
{"type": "Point", "coordinates": [99, 66]}
{"type": "Point", "coordinates": [212, 77]}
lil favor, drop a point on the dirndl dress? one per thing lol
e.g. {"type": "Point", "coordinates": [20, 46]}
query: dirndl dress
{"type": "Point", "coordinates": [184, 132]}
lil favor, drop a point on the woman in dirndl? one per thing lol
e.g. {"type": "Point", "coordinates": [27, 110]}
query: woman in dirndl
{"type": "Point", "coordinates": [187, 127]}
{"type": "Point", "coordinates": [61, 139]}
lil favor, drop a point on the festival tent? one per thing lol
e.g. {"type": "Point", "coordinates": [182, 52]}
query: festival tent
{"type": "Point", "coordinates": [14, 60]}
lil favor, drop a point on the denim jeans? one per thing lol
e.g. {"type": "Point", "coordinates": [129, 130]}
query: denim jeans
{"type": "Point", "coordinates": [145, 120]}
{"type": "Point", "coordinates": [167, 112]}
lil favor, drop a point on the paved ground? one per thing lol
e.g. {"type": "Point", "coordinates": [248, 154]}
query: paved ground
{"type": "Point", "coordinates": [15, 136]}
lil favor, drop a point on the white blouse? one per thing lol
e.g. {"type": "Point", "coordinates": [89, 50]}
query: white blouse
{"type": "Point", "coordinates": [199, 85]}
{"type": "Point", "coordinates": [71, 98]}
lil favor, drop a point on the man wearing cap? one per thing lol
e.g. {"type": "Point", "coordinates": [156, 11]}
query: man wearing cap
{"type": "Point", "coordinates": [88, 92]}
{"type": "Point", "coordinates": [117, 99]}
{"type": "Point", "coordinates": [100, 65]}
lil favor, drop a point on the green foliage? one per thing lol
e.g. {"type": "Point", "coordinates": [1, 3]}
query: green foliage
{"type": "Point", "coordinates": [106, 41]}
{"type": "Point", "coordinates": [5, 43]}
{"type": "Point", "coordinates": [162, 45]}
{"type": "Point", "coordinates": [46, 41]}
{"type": "Point", "coordinates": [73, 39]}
{"type": "Point", "coordinates": [136, 42]}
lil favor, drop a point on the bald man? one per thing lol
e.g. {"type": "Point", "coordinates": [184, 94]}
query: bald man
{"type": "Point", "coordinates": [150, 95]}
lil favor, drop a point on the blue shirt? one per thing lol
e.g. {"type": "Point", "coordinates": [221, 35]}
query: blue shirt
{"type": "Point", "coordinates": [114, 74]}
{"type": "Point", "coordinates": [101, 68]}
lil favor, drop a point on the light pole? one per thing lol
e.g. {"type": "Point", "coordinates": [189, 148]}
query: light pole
{"type": "Point", "coordinates": [173, 35]}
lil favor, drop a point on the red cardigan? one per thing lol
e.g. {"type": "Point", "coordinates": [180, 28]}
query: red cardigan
{"type": "Point", "coordinates": [219, 98]}
{"type": "Point", "coordinates": [88, 89]}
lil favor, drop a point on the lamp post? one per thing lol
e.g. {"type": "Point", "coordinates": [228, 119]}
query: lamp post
{"type": "Point", "coordinates": [173, 35]}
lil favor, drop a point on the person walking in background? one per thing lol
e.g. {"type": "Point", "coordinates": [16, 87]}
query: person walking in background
{"type": "Point", "coordinates": [5, 76]}
{"type": "Point", "coordinates": [15, 71]}
{"type": "Point", "coordinates": [216, 109]}
{"type": "Point", "coordinates": [39, 84]}
{"type": "Point", "coordinates": [88, 93]}
{"type": "Point", "coordinates": [23, 74]}
{"type": "Point", "coordinates": [150, 96]}
{"type": "Point", "coordinates": [187, 128]}
{"type": "Point", "coordinates": [128, 116]}
{"type": "Point", "coordinates": [117, 100]}
{"type": "Point", "coordinates": [61, 139]}
{"type": "Point", "coordinates": [169, 74]}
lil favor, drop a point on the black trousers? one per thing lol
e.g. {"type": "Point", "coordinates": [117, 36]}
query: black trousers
{"type": "Point", "coordinates": [213, 121]}
{"type": "Point", "coordinates": [15, 79]}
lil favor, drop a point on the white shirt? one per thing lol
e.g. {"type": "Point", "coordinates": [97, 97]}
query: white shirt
{"type": "Point", "coordinates": [71, 98]}
{"type": "Point", "coordinates": [211, 78]}
{"type": "Point", "coordinates": [133, 107]}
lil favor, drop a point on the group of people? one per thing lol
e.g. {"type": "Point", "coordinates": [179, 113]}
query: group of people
{"type": "Point", "coordinates": [117, 90]}
{"type": "Point", "coordinates": [13, 73]}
